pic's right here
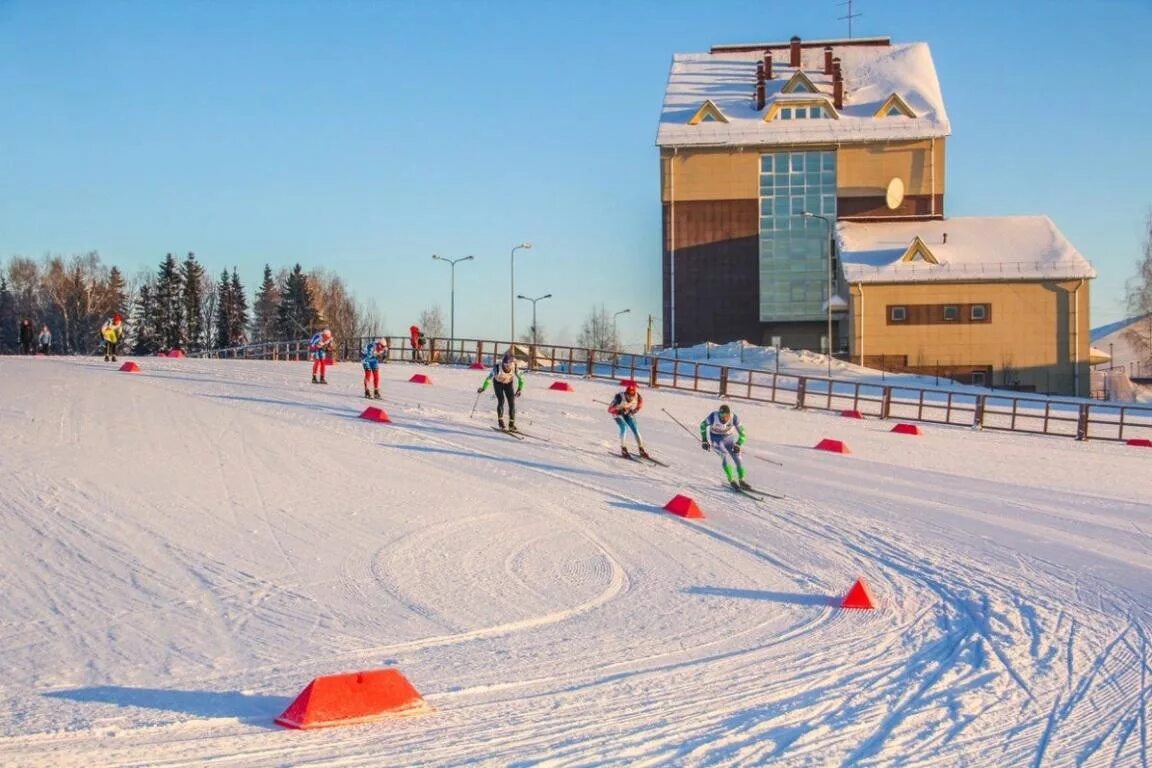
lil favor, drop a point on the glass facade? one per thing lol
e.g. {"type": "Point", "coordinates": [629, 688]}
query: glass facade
{"type": "Point", "coordinates": [794, 247]}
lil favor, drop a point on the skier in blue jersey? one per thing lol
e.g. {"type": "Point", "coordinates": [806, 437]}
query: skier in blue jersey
{"type": "Point", "coordinates": [320, 350]}
{"type": "Point", "coordinates": [374, 351]}
{"type": "Point", "coordinates": [721, 431]}
{"type": "Point", "coordinates": [624, 407]}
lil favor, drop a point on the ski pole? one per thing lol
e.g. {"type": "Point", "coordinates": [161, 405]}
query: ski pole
{"type": "Point", "coordinates": [678, 422]}
{"type": "Point", "coordinates": [770, 461]}
{"type": "Point", "coordinates": [475, 404]}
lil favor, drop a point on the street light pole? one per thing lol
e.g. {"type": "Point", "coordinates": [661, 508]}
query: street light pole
{"type": "Point", "coordinates": [828, 249]}
{"type": "Point", "coordinates": [512, 293]}
{"type": "Point", "coordinates": [615, 336]}
{"type": "Point", "coordinates": [535, 339]}
{"type": "Point", "coordinates": [452, 305]}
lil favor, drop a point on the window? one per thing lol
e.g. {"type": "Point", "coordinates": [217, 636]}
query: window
{"type": "Point", "coordinates": [898, 314]}
{"type": "Point", "coordinates": [978, 313]}
{"type": "Point", "coordinates": [978, 378]}
{"type": "Point", "coordinates": [786, 113]}
{"type": "Point", "coordinates": [951, 312]}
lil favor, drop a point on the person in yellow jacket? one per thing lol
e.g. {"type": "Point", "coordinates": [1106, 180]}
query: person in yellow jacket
{"type": "Point", "coordinates": [112, 331]}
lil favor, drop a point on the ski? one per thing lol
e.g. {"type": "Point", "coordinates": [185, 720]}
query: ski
{"type": "Point", "coordinates": [755, 494]}
{"type": "Point", "coordinates": [516, 435]}
{"type": "Point", "coordinates": [629, 457]}
{"type": "Point", "coordinates": [657, 462]}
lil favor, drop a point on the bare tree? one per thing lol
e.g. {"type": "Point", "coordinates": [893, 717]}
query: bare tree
{"type": "Point", "coordinates": [432, 322]}
{"type": "Point", "coordinates": [1139, 335]}
{"type": "Point", "coordinates": [597, 331]}
{"type": "Point", "coordinates": [335, 304]}
{"type": "Point", "coordinates": [371, 321]}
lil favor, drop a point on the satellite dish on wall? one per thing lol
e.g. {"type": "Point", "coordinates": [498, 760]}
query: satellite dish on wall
{"type": "Point", "coordinates": [895, 194]}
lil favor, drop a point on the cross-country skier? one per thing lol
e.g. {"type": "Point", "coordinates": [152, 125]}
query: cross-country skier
{"type": "Point", "coordinates": [721, 430]}
{"type": "Point", "coordinates": [111, 332]}
{"type": "Point", "coordinates": [503, 374]}
{"type": "Point", "coordinates": [624, 407]}
{"type": "Point", "coordinates": [374, 352]}
{"type": "Point", "coordinates": [318, 349]}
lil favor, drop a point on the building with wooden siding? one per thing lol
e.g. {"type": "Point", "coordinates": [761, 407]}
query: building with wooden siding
{"type": "Point", "coordinates": [767, 148]}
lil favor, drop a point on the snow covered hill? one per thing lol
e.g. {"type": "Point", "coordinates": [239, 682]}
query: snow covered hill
{"type": "Point", "coordinates": [183, 549]}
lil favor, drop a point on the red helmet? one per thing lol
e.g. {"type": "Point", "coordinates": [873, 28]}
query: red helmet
{"type": "Point", "coordinates": [116, 318]}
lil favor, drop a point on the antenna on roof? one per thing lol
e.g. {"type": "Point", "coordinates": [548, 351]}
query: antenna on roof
{"type": "Point", "coordinates": [849, 16]}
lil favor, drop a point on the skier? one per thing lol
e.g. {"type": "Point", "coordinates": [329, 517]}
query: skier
{"type": "Point", "coordinates": [417, 338]}
{"type": "Point", "coordinates": [111, 331]}
{"type": "Point", "coordinates": [625, 405]}
{"type": "Point", "coordinates": [318, 349]}
{"type": "Point", "coordinates": [502, 376]}
{"type": "Point", "coordinates": [721, 430]}
{"type": "Point", "coordinates": [374, 352]}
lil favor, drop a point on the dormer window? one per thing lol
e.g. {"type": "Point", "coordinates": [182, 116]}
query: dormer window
{"type": "Point", "coordinates": [918, 250]}
{"type": "Point", "coordinates": [801, 110]}
{"type": "Point", "coordinates": [708, 113]}
{"type": "Point", "coordinates": [894, 106]}
{"type": "Point", "coordinates": [799, 83]}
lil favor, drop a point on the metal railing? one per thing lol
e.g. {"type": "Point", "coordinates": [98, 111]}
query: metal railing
{"type": "Point", "coordinates": [1079, 419]}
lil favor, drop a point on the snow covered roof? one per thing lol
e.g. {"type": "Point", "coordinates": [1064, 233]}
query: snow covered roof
{"type": "Point", "coordinates": [872, 74]}
{"type": "Point", "coordinates": [964, 249]}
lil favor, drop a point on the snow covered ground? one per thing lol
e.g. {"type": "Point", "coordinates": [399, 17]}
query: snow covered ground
{"type": "Point", "coordinates": [183, 549]}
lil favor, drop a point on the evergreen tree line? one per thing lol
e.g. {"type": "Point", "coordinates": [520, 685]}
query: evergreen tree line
{"type": "Point", "coordinates": [180, 306]}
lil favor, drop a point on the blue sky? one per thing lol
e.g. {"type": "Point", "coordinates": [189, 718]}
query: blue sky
{"type": "Point", "coordinates": [366, 136]}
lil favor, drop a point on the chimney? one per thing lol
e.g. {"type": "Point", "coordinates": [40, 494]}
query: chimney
{"type": "Point", "coordinates": [837, 85]}
{"type": "Point", "coordinates": [827, 59]}
{"type": "Point", "coordinates": [795, 60]}
{"type": "Point", "coordinates": [759, 85]}
{"type": "Point", "coordinates": [767, 65]}
{"type": "Point", "coordinates": [945, 238]}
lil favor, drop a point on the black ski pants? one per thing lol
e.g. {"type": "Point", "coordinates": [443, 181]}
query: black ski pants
{"type": "Point", "coordinates": [505, 392]}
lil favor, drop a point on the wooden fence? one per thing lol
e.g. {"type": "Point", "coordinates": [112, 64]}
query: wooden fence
{"type": "Point", "coordinates": [1079, 419]}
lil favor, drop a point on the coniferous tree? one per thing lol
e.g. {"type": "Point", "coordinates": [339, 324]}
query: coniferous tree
{"type": "Point", "coordinates": [296, 315]}
{"type": "Point", "coordinates": [239, 320]}
{"type": "Point", "coordinates": [264, 315]}
{"type": "Point", "coordinates": [145, 325]}
{"type": "Point", "coordinates": [192, 302]}
{"type": "Point", "coordinates": [9, 322]}
{"type": "Point", "coordinates": [224, 312]}
{"type": "Point", "coordinates": [116, 290]}
{"type": "Point", "coordinates": [167, 307]}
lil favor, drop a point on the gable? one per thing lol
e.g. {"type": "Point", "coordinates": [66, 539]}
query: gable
{"type": "Point", "coordinates": [918, 250]}
{"type": "Point", "coordinates": [708, 112]}
{"type": "Point", "coordinates": [894, 106]}
{"type": "Point", "coordinates": [799, 83]}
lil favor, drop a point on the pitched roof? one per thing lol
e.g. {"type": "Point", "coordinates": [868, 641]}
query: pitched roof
{"type": "Point", "coordinates": [872, 74]}
{"type": "Point", "coordinates": [978, 249]}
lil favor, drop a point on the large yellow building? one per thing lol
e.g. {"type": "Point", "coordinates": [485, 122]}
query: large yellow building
{"type": "Point", "coordinates": [803, 188]}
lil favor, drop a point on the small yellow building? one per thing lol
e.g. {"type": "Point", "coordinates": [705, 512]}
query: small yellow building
{"type": "Point", "coordinates": [991, 301]}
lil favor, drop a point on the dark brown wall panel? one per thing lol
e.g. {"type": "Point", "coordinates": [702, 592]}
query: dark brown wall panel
{"type": "Point", "coordinates": [717, 271]}
{"type": "Point", "coordinates": [877, 207]}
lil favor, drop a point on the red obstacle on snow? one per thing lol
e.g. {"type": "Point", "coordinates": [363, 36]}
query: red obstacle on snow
{"type": "Point", "coordinates": [356, 697]}
{"type": "Point", "coordinates": [562, 386]}
{"type": "Point", "coordinates": [176, 353]}
{"type": "Point", "coordinates": [858, 597]}
{"type": "Point", "coordinates": [420, 378]}
{"type": "Point", "coordinates": [1141, 442]}
{"type": "Point", "coordinates": [375, 414]}
{"type": "Point", "coordinates": [478, 366]}
{"type": "Point", "coordinates": [130, 367]}
{"type": "Point", "coordinates": [835, 446]}
{"type": "Point", "coordinates": [852, 414]}
{"type": "Point", "coordinates": [906, 429]}
{"type": "Point", "coordinates": [683, 506]}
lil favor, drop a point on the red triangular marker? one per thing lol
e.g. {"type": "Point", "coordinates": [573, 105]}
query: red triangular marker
{"type": "Point", "coordinates": [858, 597]}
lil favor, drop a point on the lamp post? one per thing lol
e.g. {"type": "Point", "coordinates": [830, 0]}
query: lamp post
{"type": "Point", "coordinates": [535, 340]}
{"type": "Point", "coordinates": [615, 337]}
{"type": "Point", "coordinates": [512, 293]}
{"type": "Point", "coordinates": [452, 311]}
{"type": "Point", "coordinates": [828, 248]}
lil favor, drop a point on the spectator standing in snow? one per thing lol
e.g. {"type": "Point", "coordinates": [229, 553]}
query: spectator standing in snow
{"type": "Point", "coordinates": [44, 340]}
{"type": "Point", "coordinates": [26, 337]}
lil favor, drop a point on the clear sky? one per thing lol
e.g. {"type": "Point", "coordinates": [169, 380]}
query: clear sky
{"type": "Point", "coordinates": [366, 136]}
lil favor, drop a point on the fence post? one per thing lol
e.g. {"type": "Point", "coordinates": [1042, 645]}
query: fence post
{"type": "Point", "coordinates": [591, 362]}
{"type": "Point", "coordinates": [801, 388]}
{"type": "Point", "coordinates": [886, 403]}
{"type": "Point", "coordinates": [652, 370]}
{"type": "Point", "coordinates": [978, 417]}
{"type": "Point", "coordinates": [724, 381]}
{"type": "Point", "coordinates": [1082, 423]}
